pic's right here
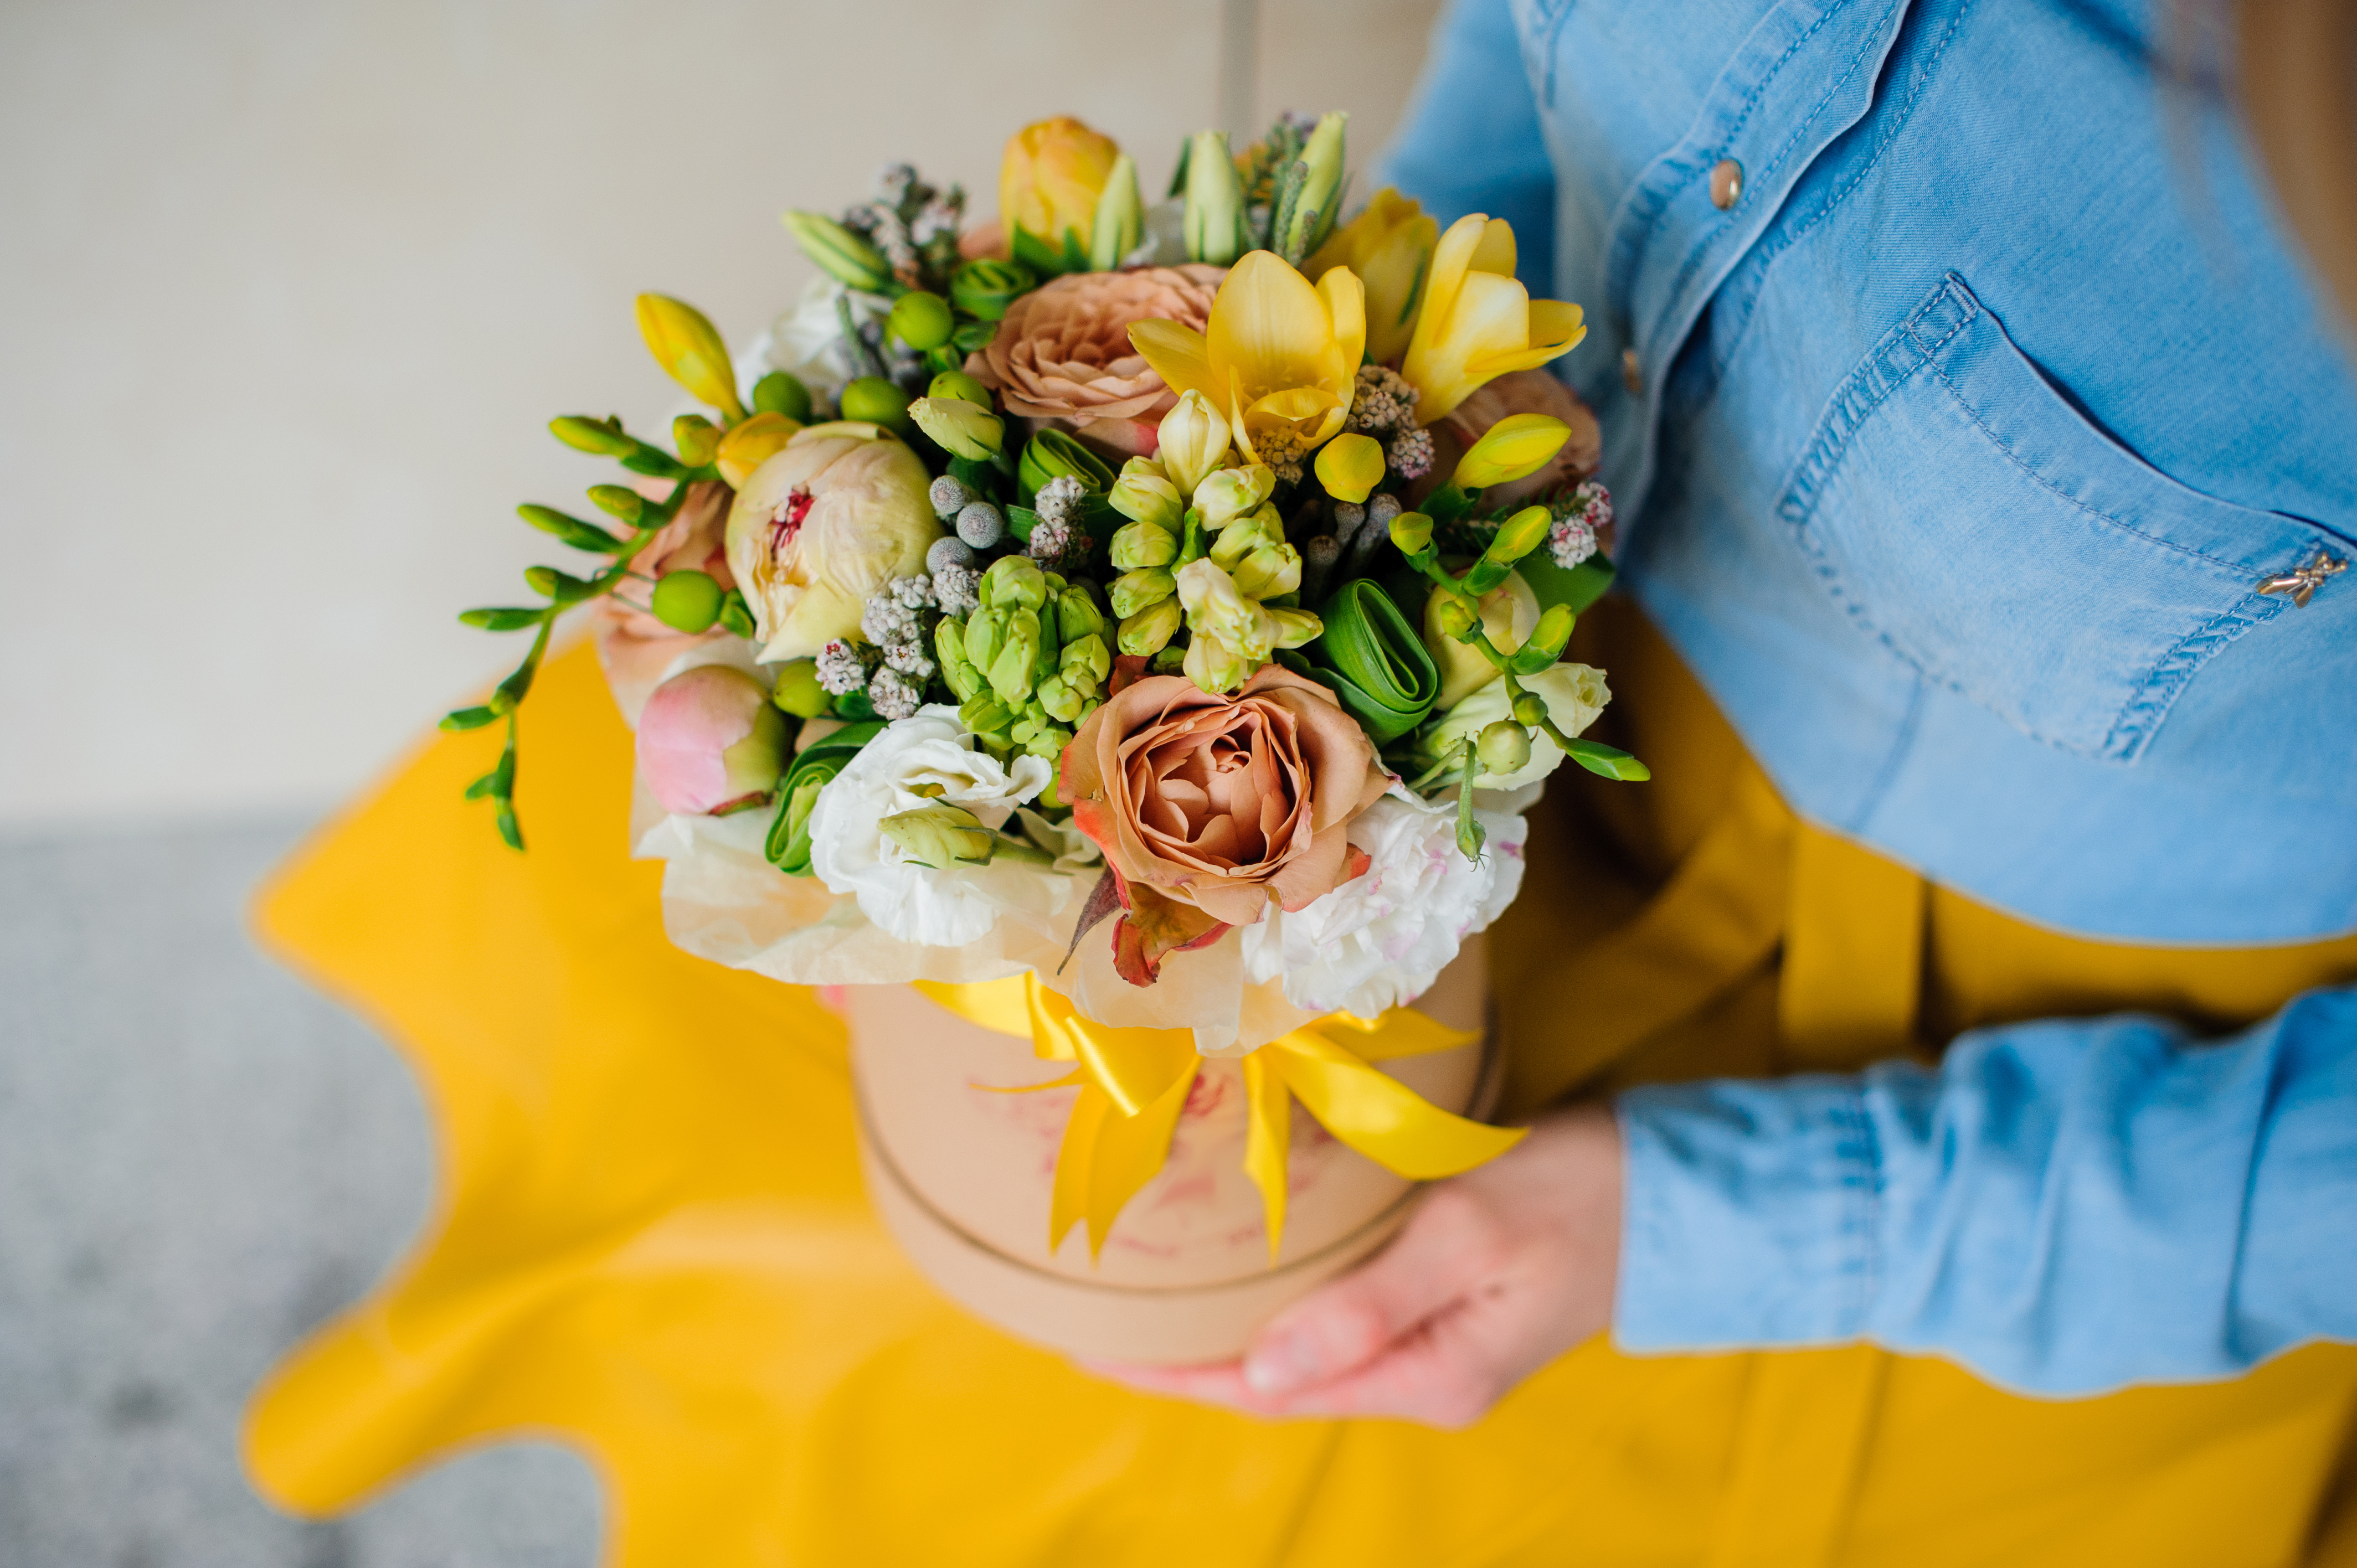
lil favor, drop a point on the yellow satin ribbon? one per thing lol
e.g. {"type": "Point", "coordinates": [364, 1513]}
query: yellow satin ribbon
{"type": "Point", "coordinates": [1134, 1082]}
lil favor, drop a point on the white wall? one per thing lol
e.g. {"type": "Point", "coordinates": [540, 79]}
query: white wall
{"type": "Point", "coordinates": [292, 289]}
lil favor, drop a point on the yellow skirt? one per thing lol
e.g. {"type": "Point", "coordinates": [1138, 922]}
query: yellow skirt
{"type": "Point", "coordinates": [651, 1244]}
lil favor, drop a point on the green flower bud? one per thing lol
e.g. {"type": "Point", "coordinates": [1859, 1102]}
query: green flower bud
{"type": "Point", "coordinates": [1062, 697]}
{"type": "Point", "coordinates": [1246, 534]}
{"type": "Point", "coordinates": [696, 439]}
{"type": "Point", "coordinates": [986, 634]}
{"type": "Point", "coordinates": [1151, 629]}
{"type": "Point", "coordinates": [1215, 202]}
{"type": "Point", "coordinates": [940, 836]}
{"type": "Point", "coordinates": [1232, 493]}
{"type": "Point", "coordinates": [984, 289]}
{"type": "Point", "coordinates": [1048, 741]}
{"type": "Point", "coordinates": [686, 601]}
{"type": "Point", "coordinates": [1456, 619]}
{"type": "Point", "coordinates": [618, 501]}
{"type": "Point", "coordinates": [1140, 545]}
{"type": "Point", "coordinates": [1519, 534]}
{"type": "Point", "coordinates": [1503, 747]}
{"type": "Point", "coordinates": [1530, 709]}
{"type": "Point", "coordinates": [1269, 572]}
{"type": "Point", "coordinates": [1134, 591]}
{"type": "Point", "coordinates": [983, 714]}
{"type": "Point", "coordinates": [959, 427]}
{"type": "Point", "coordinates": [840, 254]}
{"type": "Point", "coordinates": [1309, 216]}
{"type": "Point", "coordinates": [876, 401]}
{"type": "Point", "coordinates": [575, 532]}
{"type": "Point", "coordinates": [1297, 627]}
{"type": "Point", "coordinates": [1086, 656]}
{"type": "Point", "coordinates": [920, 320]}
{"type": "Point", "coordinates": [1145, 494]}
{"type": "Point", "coordinates": [1016, 670]}
{"type": "Point", "coordinates": [1078, 614]}
{"type": "Point", "coordinates": [593, 435]}
{"type": "Point", "coordinates": [796, 691]}
{"type": "Point", "coordinates": [780, 394]}
{"type": "Point", "coordinates": [965, 388]}
{"type": "Point", "coordinates": [1546, 642]}
{"type": "Point", "coordinates": [1412, 533]}
{"type": "Point", "coordinates": [949, 651]}
{"type": "Point", "coordinates": [1120, 220]}
{"type": "Point", "coordinates": [1013, 581]}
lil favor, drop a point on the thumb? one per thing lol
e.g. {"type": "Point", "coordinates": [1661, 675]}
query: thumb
{"type": "Point", "coordinates": [1347, 1323]}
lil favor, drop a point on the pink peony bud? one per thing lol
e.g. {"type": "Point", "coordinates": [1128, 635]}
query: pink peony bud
{"type": "Point", "coordinates": [710, 743]}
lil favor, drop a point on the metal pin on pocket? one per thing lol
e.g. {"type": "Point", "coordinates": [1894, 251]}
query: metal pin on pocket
{"type": "Point", "coordinates": [2302, 581]}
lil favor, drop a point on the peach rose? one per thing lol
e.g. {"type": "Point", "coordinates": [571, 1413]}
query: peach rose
{"type": "Point", "coordinates": [1063, 351]}
{"type": "Point", "coordinates": [1207, 807]}
{"type": "Point", "coordinates": [1519, 391]}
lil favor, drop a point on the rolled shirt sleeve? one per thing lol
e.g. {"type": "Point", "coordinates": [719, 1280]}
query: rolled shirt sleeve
{"type": "Point", "coordinates": [2065, 1206]}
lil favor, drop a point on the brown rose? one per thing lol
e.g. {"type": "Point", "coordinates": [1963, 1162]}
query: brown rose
{"type": "Point", "coordinates": [1063, 351]}
{"type": "Point", "coordinates": [1206, 807]}
{"type": "Point", "coordinates": [1519, 391]}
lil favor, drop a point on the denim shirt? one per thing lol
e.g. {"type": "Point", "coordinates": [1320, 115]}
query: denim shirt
{"type": "Point", "coordinates": [1951, 453]}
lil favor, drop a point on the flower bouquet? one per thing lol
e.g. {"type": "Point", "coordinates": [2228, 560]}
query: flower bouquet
{"type": "Point", "coordinates": [1114, 643]}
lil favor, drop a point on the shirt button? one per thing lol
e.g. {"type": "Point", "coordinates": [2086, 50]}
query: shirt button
{"type": "Point", "coordinates": [1726, 183]}
{"type": "Point", "coordinates": [1632, 373]}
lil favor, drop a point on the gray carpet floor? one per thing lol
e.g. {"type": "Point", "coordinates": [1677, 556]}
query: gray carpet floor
{"type": "Point", "coordinates": [200, 1160]}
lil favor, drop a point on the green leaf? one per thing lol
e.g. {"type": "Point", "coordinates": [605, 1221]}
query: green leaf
{"type": "Point", "coordinates": [504, 619]}
{"type": "Point", "coordinates": [1020, 522]}
{"type": "Point", "coordinates": [1610, 761]}
{"type": "Point", "coordinates": [1574, 589]}
{"type": "Point", "coordinates": [1447, 504]}
{"type": "Point", "coordinates": [469, 718]}
{"type": "Point", "coordinates": [1379, 669]}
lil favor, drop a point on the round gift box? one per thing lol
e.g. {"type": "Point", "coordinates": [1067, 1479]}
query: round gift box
{"type": "Point", "coordinates": [962, 1174]}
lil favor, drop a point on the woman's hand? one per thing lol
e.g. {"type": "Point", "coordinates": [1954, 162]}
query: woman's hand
{"type": "Point", "coordinates": [1498, 1272]}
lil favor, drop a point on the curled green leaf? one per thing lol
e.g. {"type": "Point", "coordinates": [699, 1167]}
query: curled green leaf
{"type": "Point", "coordinates": [1375, 663]}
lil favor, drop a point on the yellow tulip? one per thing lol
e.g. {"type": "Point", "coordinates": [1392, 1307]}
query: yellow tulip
{"type": "Point", "coordinates": [751, 443]}
{"type": "Point", "coordinates": [1390, 246]}
{"type": "Point", "coordinates": [690, 351]}
{"type": "Point", "coordinates": [1477, 322]}
{"type": "Point", "coordinates": [1049, 181]}
{"type": "Point", "coordinates": [1281, 357]}
{"type": "Point", "coordinates": [1350, 465]}
{"type": "Point", "coordinates": [1515, 448]}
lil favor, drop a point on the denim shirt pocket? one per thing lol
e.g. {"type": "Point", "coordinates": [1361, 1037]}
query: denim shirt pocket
{"type": "Point", "coordinates": [1993, 537]}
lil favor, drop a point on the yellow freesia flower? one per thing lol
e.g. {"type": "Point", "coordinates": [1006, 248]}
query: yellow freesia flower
{"type": "Point", "coordinates": [1350, 465]}
{"type": "Point", "coordinates": [1390, 246]}
{"type": "Point", "coordinates": [1281, 357]}
{"type": "Point", "coordinates": [1477, 322]}
{"type": "Point", "coordinates": [1514, 448]}
{"type": "Point", "coordinates": [690, 351]}
{"type": "Point", "coordinates": [1049, 181]}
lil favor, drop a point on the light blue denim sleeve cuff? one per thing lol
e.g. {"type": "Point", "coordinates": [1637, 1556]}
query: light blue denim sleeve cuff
{"type": "Point", "coordinates": [1749, 1215]}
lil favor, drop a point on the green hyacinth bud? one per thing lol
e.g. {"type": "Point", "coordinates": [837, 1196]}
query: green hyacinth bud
{"type": "Point", "coordinates": [780, 394]}
{"type": "Point", "coordinates": [1297, 627]}
{"type": "Point", "coordinates": [1145, 494]}
{"type": "Point", "coordinates": [1078, 614]}
{"type": "Point", "coordinates": [1232, 493]}
{"type": "Point", "coordinates": [983, 714]}
{"type": "Point", "coordinates": [1062, 697]}
{"type": "Point", "coordinates": [1086, 656]}
{"type": "Point", "coordinates": [940, 836]}
{"type": "Point", "coordinates": [840, 254]}
{"type": "Point", "coordinates": [1503, 747]}
{"type": "Point", "coordinates": [1245, 535]}
{"type": "Point", "coordinates": [1150, 630]}
{"type": "Point", "coordinates": [986, 634]}
{"type": "Point", "coordinates": [959, 385]}
{"type": "Point", "coordinates": [1215, 202]}
{"type": "Point", "coordinates": [920, 320]}
{"type": "Point", "coordinates": [1132, 592]}
{"type": "Point", "coordinates": [949, 651]}
{"type": "Point", "coordinates": [1268, 572]}
{"type": "Point", "coordinates": [984, 289]}
{"type": "Point", "coordinates": [1143, 544]}
{"type": "Point", "coordinates": [1014, 582]}
{"type": "Point", "coordinates": [1017, 668]}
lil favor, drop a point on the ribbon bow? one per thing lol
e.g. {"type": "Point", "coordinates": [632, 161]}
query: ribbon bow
{"type": "Point", "coordinates": [1134, 1082]}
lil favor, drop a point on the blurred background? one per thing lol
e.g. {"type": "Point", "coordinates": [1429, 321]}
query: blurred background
{"type": "Point", "coordinates": [295, 289]}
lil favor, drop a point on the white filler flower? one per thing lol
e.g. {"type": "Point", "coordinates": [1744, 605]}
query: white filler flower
{"type": "Point", "coordinates": [1379, 939]}
{"type": "Point", "coordinates": [929, 759]}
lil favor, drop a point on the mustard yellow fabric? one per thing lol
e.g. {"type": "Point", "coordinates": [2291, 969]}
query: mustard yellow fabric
{"type": "Point", "coordinates": [651, 1244]}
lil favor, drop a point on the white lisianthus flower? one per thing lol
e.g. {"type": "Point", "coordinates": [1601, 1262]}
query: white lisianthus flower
{"type": "Point", "coordinates": [1575, 695]}
{"type": "Point", "coordinates": [1379, 939]}
{"type": "Point", "coordinates": [929, 759]}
